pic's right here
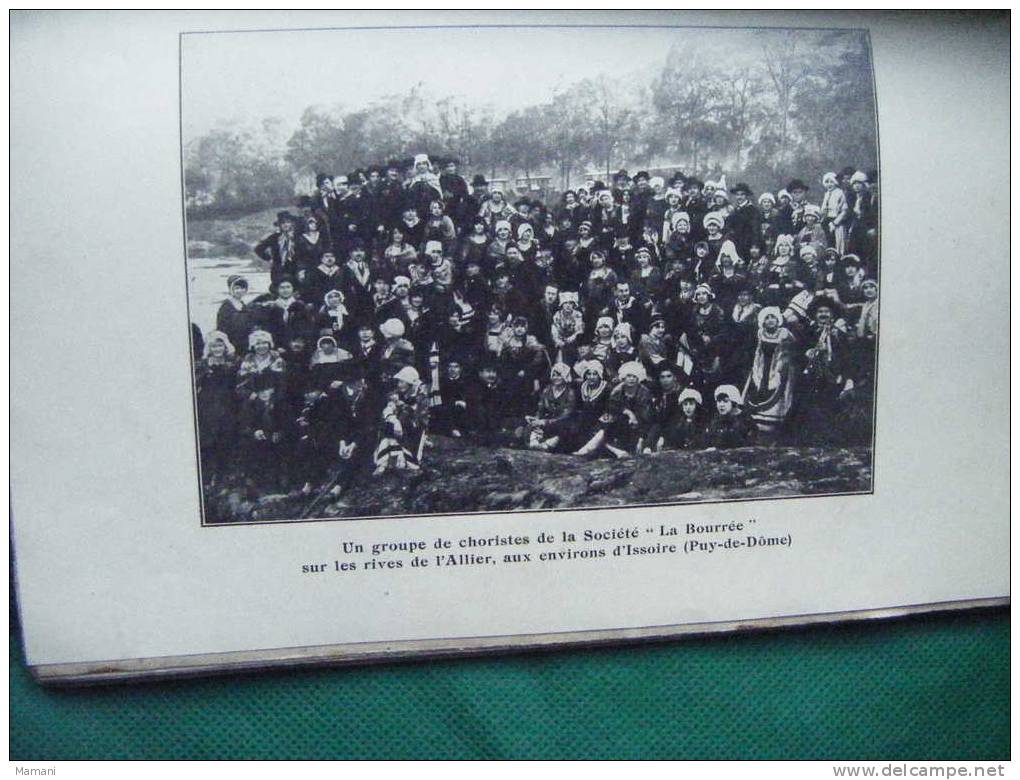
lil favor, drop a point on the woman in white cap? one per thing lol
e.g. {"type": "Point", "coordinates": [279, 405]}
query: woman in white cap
{"type": "Point", "coordinates": [567, 327]}
{"type": "Point", "coordinates": [728, 427]}
{"type": "Point", "coordinates": [495, 253]}
{"type": "Point", "coordinates": [423, 187]}
{"type": "Point", "coordinates": [686, 427]}
{"type": "Point", "coordinates": [646, 278]}
{"type": "Point", "coordinates": [526, 242]}
{"type": "Point", "coordinates": [863, 204]}
{"type": "Point", "coordinates": [496, 210]}
{"type": "Point", "coordinates": [260, 379]}
{"type": "Point", "coordinates": [672, 211]}
{"type": "Point", "coordinates": [706, 334]}
{"type": "Point", "coordinates": [215, 392]}
{"type": "Point", "coordinates": [680, 243]}
{"type": "Point", "coordinates": [522, 358]}
{"type": "Point", "coordinates": [330, 366]}
{"type": "Point", "coordinates": [397, 352]}
{"type": "Point", "coordinates": [602, 342]}
{"type": "Point", "coordinates": [632, 407]}
{"type": "Point", "coordinates": [769, 215]}
{"type": "Point", "coordinates": [404, 420]}
{"type": "Point", "coordinates": [440, 268]}
{"type": "Point", "coordinates": [835, 211]}
{"type": "Point", "coordinates": [768, 391]}
{"type": "Point", "coordinates": [587, 434]}
{"type": "Point", "coordinates": [812, 232]}
{"type": "Point", "coordinates": [235, 317]}
{"type": "Point", "coordinates": [556, 405]}
{"type": "Point", "coordinates": [334, 318]}
{"type": "Point", "coordinates": [623, 349]}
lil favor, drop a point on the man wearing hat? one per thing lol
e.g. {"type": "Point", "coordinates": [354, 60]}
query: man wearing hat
{"type": "Point", "coordinates": [455, 193]}
{"type": "Point", "coordinates": [353, 210]}
{"type": "Point", "coordinates": [744, 222]}
{"type": "Point", "coordinates": [279, 248]}
{"type": "Point", "coordinates": [788, 218]}
{"type": "Point", "coordinates": [472, 203]}
{"type": "Point", "coordinates": [827, 374]}
{"type": "Point", "coordinates": [694, 204]}
{"type": "Point", "coordinates": [621, 182]}
{"type": "Point", "coordinates": [391, 196]}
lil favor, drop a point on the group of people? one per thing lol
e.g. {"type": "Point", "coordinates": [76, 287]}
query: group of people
{"type": "Point", "coordinates": [629, 317]}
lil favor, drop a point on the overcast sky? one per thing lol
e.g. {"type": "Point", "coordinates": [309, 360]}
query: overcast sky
{"type": "Point", "coordinates": [246, 76]}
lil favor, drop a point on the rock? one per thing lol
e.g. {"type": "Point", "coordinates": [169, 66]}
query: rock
{"type": "Point", "coordinates": [461, 477]}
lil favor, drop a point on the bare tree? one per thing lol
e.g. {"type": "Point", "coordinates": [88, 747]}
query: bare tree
{"type": "Point", "coordinates": [786, 64]}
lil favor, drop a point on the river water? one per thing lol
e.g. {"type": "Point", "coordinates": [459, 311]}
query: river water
{"type": "Point", "coordinates": [207, 285]}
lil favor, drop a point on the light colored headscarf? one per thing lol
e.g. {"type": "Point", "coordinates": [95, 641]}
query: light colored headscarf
{"type": "Point", "coordinates": [260, 335]}
{"type": "Point", "coordinates": [633, 368]}
{"type": "Point", "coordinates": [218, 335]}
{"type": "Point", "coordinates": [731, 392]}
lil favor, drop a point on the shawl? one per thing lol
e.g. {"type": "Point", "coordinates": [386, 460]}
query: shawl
{"type": "Point", "coordinates": [589, 394]}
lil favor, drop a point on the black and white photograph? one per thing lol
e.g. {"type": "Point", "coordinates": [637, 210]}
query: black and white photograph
{"type": "Point", "coordinates": [483, 269]}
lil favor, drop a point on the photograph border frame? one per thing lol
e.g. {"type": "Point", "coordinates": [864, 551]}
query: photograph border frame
{"type": "Point", "coordinates": [205, 523]}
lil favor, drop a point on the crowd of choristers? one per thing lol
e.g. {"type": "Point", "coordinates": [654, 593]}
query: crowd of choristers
{"type": "Point", "coordinates": [625, 318]}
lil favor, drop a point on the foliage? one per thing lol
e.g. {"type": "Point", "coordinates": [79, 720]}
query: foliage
{"type": "Point", "coordinates": [788, 102]}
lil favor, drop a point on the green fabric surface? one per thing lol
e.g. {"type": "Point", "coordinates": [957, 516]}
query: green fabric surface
{"type": "Point", "coordinates": [924, 688]}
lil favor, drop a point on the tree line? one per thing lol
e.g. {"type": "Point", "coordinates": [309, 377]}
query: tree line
{"type": "Point", "coordinates": [786, 102]}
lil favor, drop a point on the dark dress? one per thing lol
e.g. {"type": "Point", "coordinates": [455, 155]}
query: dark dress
{"type": "Point", "coordinates": [236, 323]}
{"type": "Point", "coordinates": [215, 385]}
{"type": "Point", "coordinates": [728, 432]}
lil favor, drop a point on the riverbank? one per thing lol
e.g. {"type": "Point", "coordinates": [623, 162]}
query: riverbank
{"type": "Point", "coordinates": [461, 478]}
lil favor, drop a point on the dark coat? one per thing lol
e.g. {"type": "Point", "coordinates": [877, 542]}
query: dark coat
{"type": "Point", "coordinates": [744, 227]}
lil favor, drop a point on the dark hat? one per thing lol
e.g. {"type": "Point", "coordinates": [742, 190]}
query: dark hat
{"type": "Point", "coordinates": [235, 279]}
{"type": "Point", "coordinates": [479, 181]}
{"type": "Point", "coordinates": [622, 174]}
{"type": "Point", "coordinates": [693, 181]}
{"type": "Point", "coordinates": [356, 243]}
{"type": "Point", "coordinates": [848, 170]}
{"type": "Point", "coordinates": [488, 362]}
{"type": "Point", "coordinates": [276, 285]}
{"type": "Point", "coordinates": [742, 187]}
{"type": "Point", "coordinates": [599, 185]}
{"type": "Point", "coordinates": [641, 175]}
{"type": "Point", "coordinates": [285, 216]}
{"type": "Point", "coordinates": [824, 300]}
{"type": "Point", "coordinates": [796, 184]}
{"type": "Point", "coordinates": [321, 177]}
